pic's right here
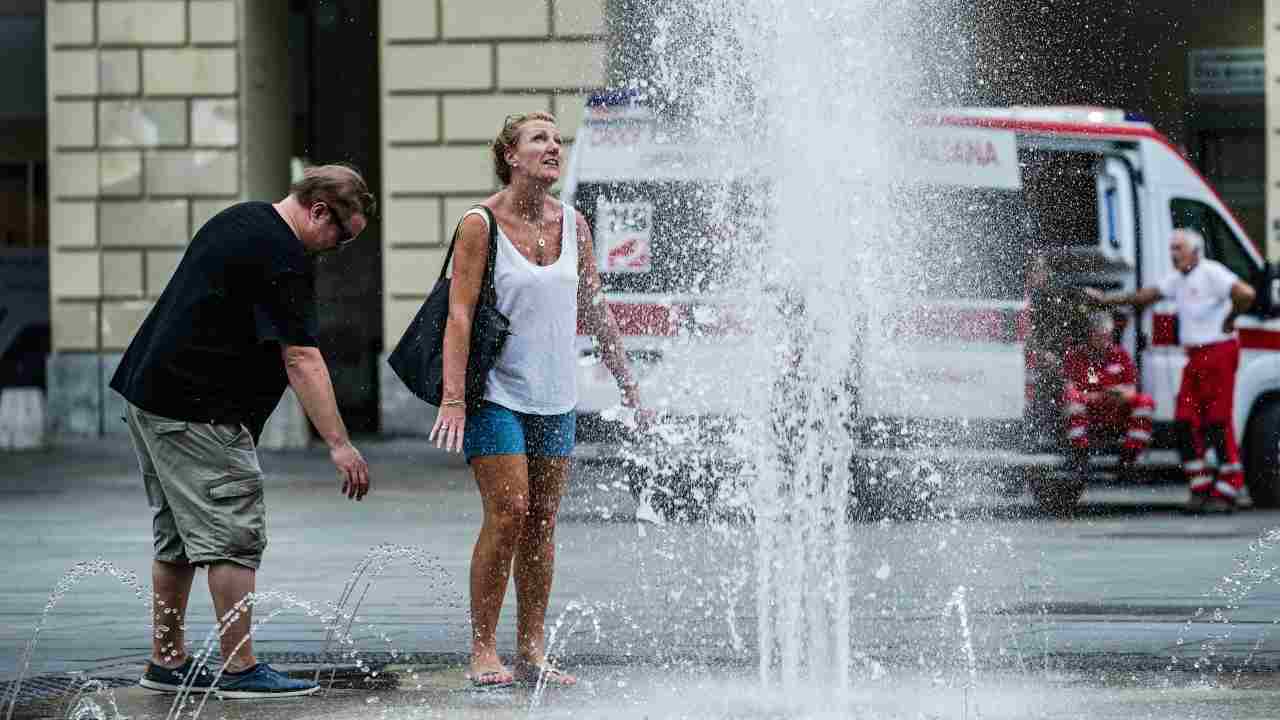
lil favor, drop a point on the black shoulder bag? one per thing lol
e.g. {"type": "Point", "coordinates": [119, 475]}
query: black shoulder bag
{"type": "Point", "coordinates": [419, 356]}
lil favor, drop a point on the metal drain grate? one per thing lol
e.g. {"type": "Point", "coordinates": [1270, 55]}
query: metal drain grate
{"type": "Point", "coordinates": [372, 659]}
{"type": "Point", "coordinates": [47, 687]}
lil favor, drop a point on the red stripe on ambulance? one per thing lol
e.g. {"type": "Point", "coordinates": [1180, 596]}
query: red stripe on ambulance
{"type": "Point", "coordinates": [643, 319]}
{"type": "Point", "coordinates": [964, 324]}
{"type": "Point", "coordinates": [1255, 339]}
{"type": "Point", "coordinates": [1165, 334]}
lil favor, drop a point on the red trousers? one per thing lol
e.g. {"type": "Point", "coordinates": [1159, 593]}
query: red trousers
{"type": "Point", "coordinates": [1206, 401]}
{"type": "Point", "coordinates": [1114, 416]}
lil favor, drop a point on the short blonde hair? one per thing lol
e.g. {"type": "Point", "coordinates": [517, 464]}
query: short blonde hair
{"type": "Point", "coordinates": [339, 185]}
{"type": "Point", "coordinates": [508, 137]}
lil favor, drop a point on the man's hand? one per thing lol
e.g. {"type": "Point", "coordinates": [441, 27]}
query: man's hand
{"type": "Point", "coordinates": [309, 378]}
{"type": "Point", "coordinates": [352, 469]}
{"type": "Point", "coordinates": [1095, 295]}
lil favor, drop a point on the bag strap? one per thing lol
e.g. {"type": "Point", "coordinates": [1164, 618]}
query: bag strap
{"type": "Point", "coordinates": [488, 293]}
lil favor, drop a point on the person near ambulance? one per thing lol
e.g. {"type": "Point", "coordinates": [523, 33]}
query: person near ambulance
{"type": "Point", "coordinates": [1101, 399]}
{"type": "Point", "coordinates": [1057, 319]}
{"type": "Point", "coordinates": [1208, 298]}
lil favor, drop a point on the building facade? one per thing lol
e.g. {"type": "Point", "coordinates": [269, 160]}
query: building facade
{"type": "Point", "coordinates": [162, 112]}
{"type": "Point", "coordinates": [127, 123]}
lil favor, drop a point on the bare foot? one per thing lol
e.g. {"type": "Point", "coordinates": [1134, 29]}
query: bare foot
{"type": "Point", "coordinates": [529, 671]}
{"type": "Point", "coordinates": [489, 672]}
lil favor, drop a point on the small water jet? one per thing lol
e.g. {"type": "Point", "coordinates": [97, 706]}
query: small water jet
{"type": "Point", "coordinates": [69, 580]}
{"type": "Point", "coordinates": [371, 567]}
{"type": "Point", "coordinates": [1251, 570]}
{"type": "Point", "coordinates": [84, 705]}
{"type": "Point", "coordinates": [336, 618]}
{"type": "Point", "coordinates": [580, 612]}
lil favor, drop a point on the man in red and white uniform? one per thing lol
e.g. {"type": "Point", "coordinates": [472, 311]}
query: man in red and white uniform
{"type": "Point", "coordinates": [1208, 297]}
{"type": "Point", "coordinates": [1101, 397]}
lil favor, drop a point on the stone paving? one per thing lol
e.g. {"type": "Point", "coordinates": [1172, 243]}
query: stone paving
{"type": "Point", "coordinates": [1114, 588]}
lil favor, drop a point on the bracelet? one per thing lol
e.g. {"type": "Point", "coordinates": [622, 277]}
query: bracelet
{"type": "Point", "coordinates": [453, 403]}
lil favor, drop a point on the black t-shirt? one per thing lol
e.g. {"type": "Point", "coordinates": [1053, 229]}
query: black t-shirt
{"type": "Point", "coordinates": [209, 351]}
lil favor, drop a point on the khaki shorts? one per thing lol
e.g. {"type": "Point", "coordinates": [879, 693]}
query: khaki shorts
{"type": "Point", "coordinates": [204, 486]}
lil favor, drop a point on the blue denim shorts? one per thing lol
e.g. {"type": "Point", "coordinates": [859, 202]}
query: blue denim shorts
{"type": "Point", "coordinates": [496, 430]}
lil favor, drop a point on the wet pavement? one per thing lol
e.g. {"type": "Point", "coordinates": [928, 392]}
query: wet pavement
{"type": "Point", "coordinates": [1113, 610]}
{"type": "Point", "coordinates": [639, 693]}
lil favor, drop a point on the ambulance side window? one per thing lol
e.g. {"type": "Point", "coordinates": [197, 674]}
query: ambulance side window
{"type": "Point", "coordinates": [1220, 243]}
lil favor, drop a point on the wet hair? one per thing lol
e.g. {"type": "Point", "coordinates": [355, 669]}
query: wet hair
{"type": "Point", "coordinates": [340, 186]}
{"type": "Point", "coordinates": [508, 137]}
{"type": "Point", "coordinates": [1193, 238]}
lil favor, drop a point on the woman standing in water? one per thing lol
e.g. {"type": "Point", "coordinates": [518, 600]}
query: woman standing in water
{"type": "Point", "coordinates": [520, 442]}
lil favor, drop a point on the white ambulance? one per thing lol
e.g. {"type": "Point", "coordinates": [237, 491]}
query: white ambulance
{"type": "Point", "coordinates": [1097, 192]}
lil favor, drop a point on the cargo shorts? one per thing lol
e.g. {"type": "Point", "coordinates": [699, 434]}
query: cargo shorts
{"type": "Point", "coordinates": [204, 485]}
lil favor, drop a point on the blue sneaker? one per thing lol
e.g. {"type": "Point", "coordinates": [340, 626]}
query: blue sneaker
{"type": "Point", "coordinates": [172, 680]}
{"type": "Point", "coordinates": [262, 681]}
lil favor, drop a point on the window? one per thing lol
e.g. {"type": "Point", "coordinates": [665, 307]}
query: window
{"type": "Point", "coordinates": [1220, 243]}
{"type": "Point", "coordinates": [695, 236]}
{"type": "Point", "coordinates": [23, 205]}
{"type": "Point", "coordinates": [23, 183]}
{"type": "Point", "coordinates": [965, 242]}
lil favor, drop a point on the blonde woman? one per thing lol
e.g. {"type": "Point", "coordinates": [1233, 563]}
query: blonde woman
{"type": "Point", "coordinates": [519, 444]}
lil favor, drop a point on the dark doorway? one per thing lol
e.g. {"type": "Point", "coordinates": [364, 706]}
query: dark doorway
{"type": "Point", "coordinates": [333, 52]}
{"type": "Point", "coordinates": [1230, 149]}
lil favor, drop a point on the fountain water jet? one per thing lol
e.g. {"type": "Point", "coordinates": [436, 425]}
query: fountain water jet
{"type": "Point", "coordinates": [822, 153]}
{"type": "Point", "coordinates": [65, 584]}
{"type": "Point", "coordinates": [373, 565]}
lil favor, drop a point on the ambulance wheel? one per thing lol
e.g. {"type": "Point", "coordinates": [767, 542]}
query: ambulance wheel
{"type": "Point", "coordinates": [1262, 460]}
{"type": "Point", "coordinates": [676, 493]}
{"type": "Point", "coordinates": [869, 496]}
{"type": "Point", "coordinates": [1055, 495]}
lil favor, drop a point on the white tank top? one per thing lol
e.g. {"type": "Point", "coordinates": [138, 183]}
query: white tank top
{"type": "Point", "coordinates": [537, 370]}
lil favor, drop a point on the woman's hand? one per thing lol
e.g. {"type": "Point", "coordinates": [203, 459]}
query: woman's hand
{"type": "Point", "coordinates": [631, 399]}
{"type": "Point", "coordinates": [451, 422]}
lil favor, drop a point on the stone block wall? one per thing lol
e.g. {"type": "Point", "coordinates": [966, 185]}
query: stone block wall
{"type": "Point", "coordinates": [451, 72]}
{"type": "Point", "coordinates": [148, 125]}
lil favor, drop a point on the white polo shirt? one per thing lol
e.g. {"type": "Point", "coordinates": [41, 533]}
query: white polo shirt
{"type": "Point", "coordinates": [1203, 298]}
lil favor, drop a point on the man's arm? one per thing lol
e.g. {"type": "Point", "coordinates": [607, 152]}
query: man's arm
{"type": "Point", "coordinates": [1242, 296]}
{"type": "Point", "coordinates": [309, 378]}
{"type": "Point", "coordinates": [1123, 391]}
{"type": "Point", "coordinates": [1128, 385]}
{"type": "Point", "coordinates": [1139, 299]}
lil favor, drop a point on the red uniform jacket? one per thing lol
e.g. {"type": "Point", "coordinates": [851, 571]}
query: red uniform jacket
{"type": "Point", "coordinates": [1089, 375]}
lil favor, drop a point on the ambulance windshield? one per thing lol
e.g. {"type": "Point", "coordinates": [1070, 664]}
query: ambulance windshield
{"type": "Point", "coordinates": [973, 242]}
{"type": "Point", "coordinates": [669, 237]}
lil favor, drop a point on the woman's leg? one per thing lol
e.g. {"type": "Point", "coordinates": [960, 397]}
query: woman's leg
{"type": "Point", "coordinates": [504, 488]}
{"type": "Point", "coordinates": [535, 555]}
